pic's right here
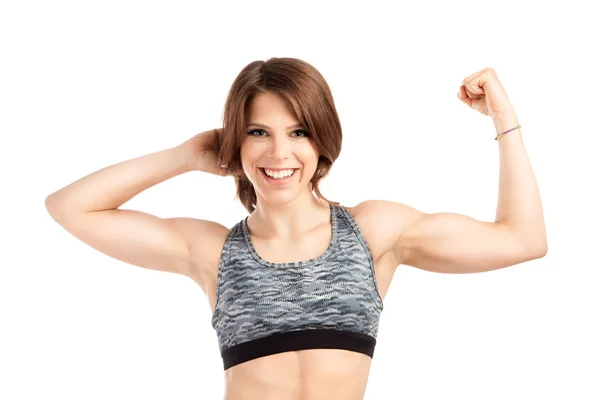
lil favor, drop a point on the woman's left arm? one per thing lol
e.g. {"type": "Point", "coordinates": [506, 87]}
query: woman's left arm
{"type": "Point", "coordinates": [455, 243]}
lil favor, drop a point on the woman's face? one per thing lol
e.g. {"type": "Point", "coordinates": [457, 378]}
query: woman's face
{"type": "Point", "coordinates": [276, 140]}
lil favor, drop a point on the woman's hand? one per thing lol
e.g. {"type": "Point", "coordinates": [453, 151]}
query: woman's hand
{"type": "Point", "coordinates": [202, 153]}
{"type": "Point", "coordinates": [483, 92]}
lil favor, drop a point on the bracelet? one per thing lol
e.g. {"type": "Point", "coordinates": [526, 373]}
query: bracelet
{"type": "Point", "coordinates": [500, 135]}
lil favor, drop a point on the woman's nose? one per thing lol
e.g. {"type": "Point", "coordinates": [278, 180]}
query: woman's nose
{"type": "Point", "coordinates": [280, 148]}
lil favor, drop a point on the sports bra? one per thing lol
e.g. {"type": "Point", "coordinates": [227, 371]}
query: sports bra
{"type": "Point", "coordinates": [328, 302]}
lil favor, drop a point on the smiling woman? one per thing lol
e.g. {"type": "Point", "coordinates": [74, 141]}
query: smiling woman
{"type": "Point", "coordinates": [296, 288]}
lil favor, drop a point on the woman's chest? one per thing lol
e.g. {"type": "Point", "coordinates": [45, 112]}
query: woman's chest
{"type": "Point", "coordinates": [290, 268]}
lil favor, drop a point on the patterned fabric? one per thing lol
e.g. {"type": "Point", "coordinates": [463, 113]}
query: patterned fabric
{"type": "Point", "coordinates": [257, 299]}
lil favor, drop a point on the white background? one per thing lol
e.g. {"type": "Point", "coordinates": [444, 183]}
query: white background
{"type": "Point", "coordinates": [88, 84]}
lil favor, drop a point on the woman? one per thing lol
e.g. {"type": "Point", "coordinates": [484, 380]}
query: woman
{"type": "Point", "coordinates": [297, 287]}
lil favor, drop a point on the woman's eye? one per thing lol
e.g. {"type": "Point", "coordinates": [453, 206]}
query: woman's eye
{"type": "Point", "coordinates": [255, 130]}
{"type": "Point", "coordinates": [305, 134]}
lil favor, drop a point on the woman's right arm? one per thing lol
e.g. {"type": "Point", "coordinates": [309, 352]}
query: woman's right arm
{"type": "Point", "coordinates": [88, 209]}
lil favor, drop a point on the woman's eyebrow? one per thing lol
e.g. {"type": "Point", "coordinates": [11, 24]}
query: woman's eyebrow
{"type": "Point", "coordinates": [266, 127]}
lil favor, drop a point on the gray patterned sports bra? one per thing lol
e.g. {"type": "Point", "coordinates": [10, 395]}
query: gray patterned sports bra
{"type": "Point", "coordinates": [328, 302]}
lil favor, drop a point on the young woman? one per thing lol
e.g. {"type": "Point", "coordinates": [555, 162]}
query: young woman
{"type": "Point", "coordinates": [297, 287]}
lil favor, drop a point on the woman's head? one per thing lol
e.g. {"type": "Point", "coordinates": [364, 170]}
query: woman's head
{"type": "Point", "coordinates": [299, 128]}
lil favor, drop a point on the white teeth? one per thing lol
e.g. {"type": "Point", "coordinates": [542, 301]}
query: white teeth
{"type": "Point", "coordinates": [279, 174]}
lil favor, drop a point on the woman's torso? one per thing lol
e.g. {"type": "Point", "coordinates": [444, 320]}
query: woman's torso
{"type": "Point", "coordinates": [305, 374]}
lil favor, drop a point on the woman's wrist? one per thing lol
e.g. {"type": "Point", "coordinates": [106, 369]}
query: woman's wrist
{"type": "Point", "coordinates": [505, 120]}
{"type": "Point", "coordinates": [186, 157]}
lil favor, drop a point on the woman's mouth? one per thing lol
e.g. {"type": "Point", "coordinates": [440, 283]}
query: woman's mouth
{"type": "Point", "coordinates": [278, 181]}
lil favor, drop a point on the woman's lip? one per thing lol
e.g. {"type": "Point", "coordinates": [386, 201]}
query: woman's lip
{"type": "Point", "coordinates": [277, 182]}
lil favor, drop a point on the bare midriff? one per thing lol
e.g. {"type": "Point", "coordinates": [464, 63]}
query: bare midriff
{"type": "Point", "coordinates": [328, 374]}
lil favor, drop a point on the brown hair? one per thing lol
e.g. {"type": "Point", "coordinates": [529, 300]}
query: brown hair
{"type": "Point", "coordinates": [309, 96]}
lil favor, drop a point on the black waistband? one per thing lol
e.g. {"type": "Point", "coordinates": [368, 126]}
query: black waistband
{"type": "Point", "coordinates": [298, 340]}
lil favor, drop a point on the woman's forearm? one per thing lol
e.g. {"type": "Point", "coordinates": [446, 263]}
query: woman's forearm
{"type": "Point", "coordinates": [112, 186]}
{"type": "Point", "coordinates": [519, 202]}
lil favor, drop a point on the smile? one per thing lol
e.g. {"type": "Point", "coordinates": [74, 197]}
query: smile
{"type": "Point", "coordinates": [276, 181]}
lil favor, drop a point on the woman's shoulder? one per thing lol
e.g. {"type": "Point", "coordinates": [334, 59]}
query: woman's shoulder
{"type": "Point", "coordinates": [379, 222]}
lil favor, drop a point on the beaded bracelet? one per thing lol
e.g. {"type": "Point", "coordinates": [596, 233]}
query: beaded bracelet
{"type": "Point", "coordinates": [500, 135]}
